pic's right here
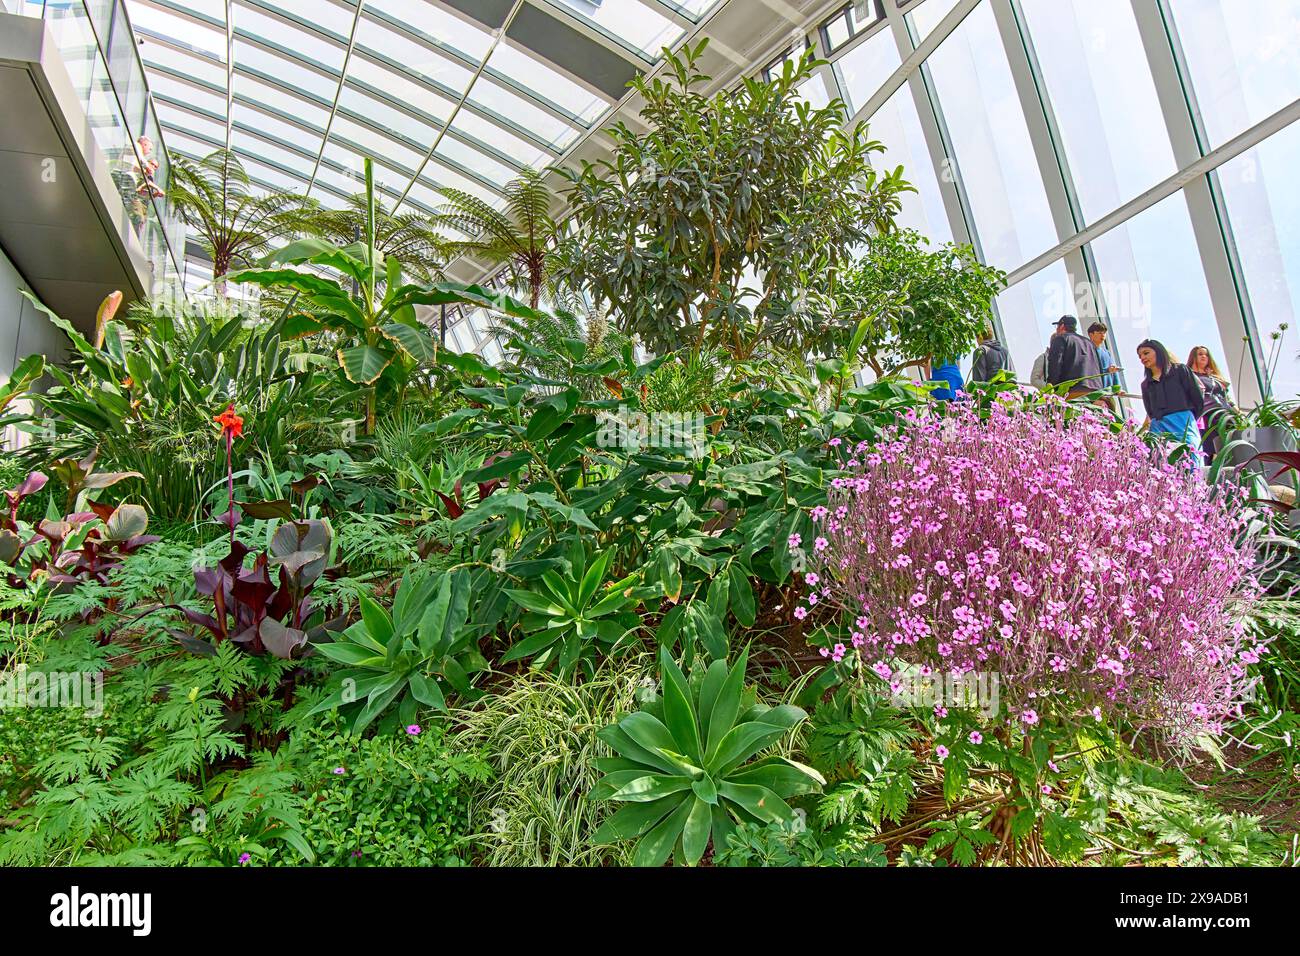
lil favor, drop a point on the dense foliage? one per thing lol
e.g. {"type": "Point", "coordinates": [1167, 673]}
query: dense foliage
{"type": "Point", "coordinates": [560, 610]}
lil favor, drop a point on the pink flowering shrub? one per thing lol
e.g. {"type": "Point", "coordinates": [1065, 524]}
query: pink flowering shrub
{"type": "Point", "coordinates": [1062, 555]}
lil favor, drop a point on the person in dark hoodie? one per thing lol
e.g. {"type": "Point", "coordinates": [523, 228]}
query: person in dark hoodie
{"type": "Point", "coordinates": [1073, 358]}
{"type": "Point", "coordinates": [1170, 393]}
{"type": "Point", "coordinates": [990, 358]}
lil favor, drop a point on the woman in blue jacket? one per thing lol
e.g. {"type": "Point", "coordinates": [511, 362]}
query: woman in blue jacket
{"type": "Point", "coordinates": [1170, 393]}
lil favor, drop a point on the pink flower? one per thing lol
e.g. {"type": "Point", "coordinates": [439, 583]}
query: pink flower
{"type": "Point", "coordinates": [941, 752]}
{"type": "Point", "coordinates": [800, 613]}
{"type": "Point", "coordinates": [1029, 716]}
{"type": "Point", "coordinates": [1043, 524]}
{"type": "Point", "coordinates": [976, 737]}
{"type": "Point", "coordinates": [413, 729]}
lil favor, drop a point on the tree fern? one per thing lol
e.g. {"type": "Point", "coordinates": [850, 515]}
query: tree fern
{"type": "Point", "coordinates": [520, 236]}
{"type": "Point", "coordinates": [234, 224]}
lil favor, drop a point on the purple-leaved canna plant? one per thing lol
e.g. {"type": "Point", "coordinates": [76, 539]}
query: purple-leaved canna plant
{"type": "Point", "coordinates": [1052, 549]}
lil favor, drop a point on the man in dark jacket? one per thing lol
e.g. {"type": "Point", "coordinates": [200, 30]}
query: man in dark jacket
{"type": "Point", "coordinates": [989, 359]}
{"type": "Point", "coordinates": [1073, 358]}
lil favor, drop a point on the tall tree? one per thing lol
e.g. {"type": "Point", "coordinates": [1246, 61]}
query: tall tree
{"type": "Point", "coordinates": [235, 224]}
{"type": "Point", "coordinates": [751, 186]}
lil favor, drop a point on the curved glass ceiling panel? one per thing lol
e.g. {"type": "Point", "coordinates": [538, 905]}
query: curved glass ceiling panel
{"type": "Point", "coordinates": [994, 156]}
{"type": "Point", "coordinates": [297, 105]}
{"type": "Point", "coordinates": [440, 90]}
{"type": "Point", "coordinates": [167, 88]}
{"type": "Point", "coordinates": [484, 166]}
{"type": "Point", "coordinates": [529, 72]}
{"type": "Point", "coordinates": [524, 116]}
{"type": "Point", "coordinates": [427, 18]}
{"type": "Point", "coordinates": [377, 80]}
{"type": "Point", "coordinates": [523, 153]}
{"type": "Point", "coordinates": [1103, 97]}
{"type": "Point", "coordinates": [162, 59]}
{"type": "Point", "coordinates": [629, 22]}
{"type": "Point", "coordinates": [253, 118]}
{"type": "Point", "coordinates": [1244, 59]}
{"type": "Point", "coordinates": [330, 16]}
{"type": "Point", "coordinates": [304, 43]}
{"type": "Point", "coordinates": [694, 9]}
{"type": "Point", "coordinates": [146, 18]}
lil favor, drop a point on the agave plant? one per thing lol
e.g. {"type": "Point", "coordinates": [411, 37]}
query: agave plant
{"type": "Point", "coordinates": [570, 616]}
{"type": "Point", "coordinates": [423, 651]}
{"type": "Point", "coordinates": [685, 765]}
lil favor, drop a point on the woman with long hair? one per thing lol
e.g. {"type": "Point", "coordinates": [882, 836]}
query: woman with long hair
{"type": "Point", "coordinates": [1171, 394]}
{"type": "Point", "coordinates": [1218, 399]}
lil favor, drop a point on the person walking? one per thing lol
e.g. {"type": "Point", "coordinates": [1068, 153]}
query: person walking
{"type": "Point", "coordinates": [1109, 370]}
{"type": "Point", "coordinates": [1071, 358]}
{"type": "Point", "coordinates": [990, 358]}
{"type": "Point", "coordinates": [1171, 394]}
{"type": "Point", "coordinates": [1218, 400]}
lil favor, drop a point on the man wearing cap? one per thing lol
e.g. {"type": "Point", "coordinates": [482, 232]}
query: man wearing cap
{"type": "Point", "coordinates": [1073, 358]}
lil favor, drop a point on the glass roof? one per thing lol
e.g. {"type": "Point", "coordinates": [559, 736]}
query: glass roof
{"type": "Point", "coordinates": [441, 93]}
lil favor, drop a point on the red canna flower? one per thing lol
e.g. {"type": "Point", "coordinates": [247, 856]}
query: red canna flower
{"type": "Point", "coordinates": [232, 425]}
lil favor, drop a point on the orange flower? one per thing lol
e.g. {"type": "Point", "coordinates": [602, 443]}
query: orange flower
{"type": "Point", "coordinates": [232, 425]}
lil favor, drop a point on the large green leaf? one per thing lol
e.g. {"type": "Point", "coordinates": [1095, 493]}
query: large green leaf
{"type": "Point", "coordinates": [416, 342]}
{"type": "Point", "coordinates": [635, 819]}
{"type": "Point", "coordinates": [679, 711]}
{"type": "Point", "coordinates": [695, 832]}
{"type": "Point", "coordinates": [363, 364]}
{"type": "Point", "coordinates": [427, 692]}
{"type": "Point", "coordinates": [756, 801]}
{"type": "Point", "coordinates": [433, 622]}
{"type": "Point", "coordinates": [378, 623]}
{"type": "Point", "coordinates": [656, 845]}
{"type": "Point", "coordinates": [741, 596]}
{"type": "Point", "coordinates": [646, 730]}
{"type": "Point", "coordinates": [22, 378]}
{"type": "Point", "coordinates": [649, 787]}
